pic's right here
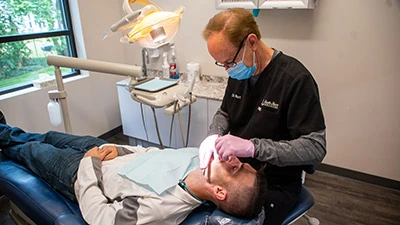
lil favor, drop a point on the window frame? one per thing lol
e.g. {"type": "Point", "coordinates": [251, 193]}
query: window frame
{"type": "Point", "coordinates": [68, 32]}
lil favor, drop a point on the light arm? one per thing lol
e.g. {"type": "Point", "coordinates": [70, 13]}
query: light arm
{"type": "Point", "coordinates": [84, 64]}
{"type": "Point", "coordinates": [94, 65]}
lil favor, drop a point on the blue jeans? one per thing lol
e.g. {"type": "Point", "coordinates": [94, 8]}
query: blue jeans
{"type": "Point", "coordinates": [53, 156]}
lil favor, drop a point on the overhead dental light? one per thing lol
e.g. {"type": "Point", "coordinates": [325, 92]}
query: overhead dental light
{"type": "Point", "coordinates": [149, 27]}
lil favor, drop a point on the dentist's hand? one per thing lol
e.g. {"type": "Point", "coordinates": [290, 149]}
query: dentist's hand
{"type": "Point", "coordinates": [207, 148]}
{"type": "Point", "coordinates": [229, 145]}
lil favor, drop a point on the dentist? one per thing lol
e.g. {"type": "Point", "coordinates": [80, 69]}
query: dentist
{"type": "Point", "coordinates": [271, 113]}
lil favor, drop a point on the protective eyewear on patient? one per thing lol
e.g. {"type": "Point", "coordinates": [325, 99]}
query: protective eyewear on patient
{"type": "Point", "coordinates": [232, 63]}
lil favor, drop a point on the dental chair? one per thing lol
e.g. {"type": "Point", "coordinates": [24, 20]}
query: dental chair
{"type": "Point", "coordinates": [34, 202]}
{"type": "Point", "coordinates": [305, 202]}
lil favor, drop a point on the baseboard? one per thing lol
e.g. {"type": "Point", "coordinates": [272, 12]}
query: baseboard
{"type": "Point", "coordinates": [111, 133]}
{"type": "Point", "coordinates": [372, 179]}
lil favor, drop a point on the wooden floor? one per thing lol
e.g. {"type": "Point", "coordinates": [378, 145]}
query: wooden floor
{"type": "Point", "coordinates": [338, 200]}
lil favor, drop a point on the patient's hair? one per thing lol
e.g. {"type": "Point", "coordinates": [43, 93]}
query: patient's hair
{"type": "Point", "coordinates": [245, 201]}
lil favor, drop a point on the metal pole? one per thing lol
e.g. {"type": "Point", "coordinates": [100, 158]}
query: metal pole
{"type": "Point", "coordinates": [61, 95]}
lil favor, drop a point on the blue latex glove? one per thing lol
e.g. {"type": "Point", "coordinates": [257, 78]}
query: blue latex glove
{"type": "Point", "coordinates": [230, 145]}
{"type": "Point", "coordinates": [206, 150]}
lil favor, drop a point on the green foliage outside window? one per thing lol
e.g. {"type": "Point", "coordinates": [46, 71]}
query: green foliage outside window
{"type": "Point", "coordinates": [21, 56]}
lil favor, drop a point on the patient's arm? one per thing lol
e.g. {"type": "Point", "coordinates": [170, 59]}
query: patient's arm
{"type": "Point", "coordinates": [127, 149]}
{"type": "Point", "coordinates": [95, 207]}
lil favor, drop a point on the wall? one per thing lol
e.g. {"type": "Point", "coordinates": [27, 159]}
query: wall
{"type": "Point", "coordinates": [351, 47]}
{"type": "Point", "coordinates": [353, 50]}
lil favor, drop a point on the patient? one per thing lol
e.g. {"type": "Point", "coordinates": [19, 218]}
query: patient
{"type": "Point", "coordinates": [93, 173]}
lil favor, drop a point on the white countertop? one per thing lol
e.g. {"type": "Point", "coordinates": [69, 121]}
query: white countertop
{"type": "Point", "coordinates": [210, 87]}
{"type": "Point", "coordinates": [210, 90]}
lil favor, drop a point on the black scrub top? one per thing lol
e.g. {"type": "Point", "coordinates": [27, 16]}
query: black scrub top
{"type": "Point", "coordinates": [283, 104]}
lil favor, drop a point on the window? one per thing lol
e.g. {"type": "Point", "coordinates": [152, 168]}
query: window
{"type": "Point", "coordinates": [29, 31]}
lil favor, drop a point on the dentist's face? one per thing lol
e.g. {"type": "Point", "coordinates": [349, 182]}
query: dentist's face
{"type": "Point", "coordinates": [222, 50]}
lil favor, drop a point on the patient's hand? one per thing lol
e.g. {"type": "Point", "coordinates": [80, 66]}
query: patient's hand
{"type": "Point", "coordinates": [112, 152]}
{"type": "Point", "coordinates": [105, 153]}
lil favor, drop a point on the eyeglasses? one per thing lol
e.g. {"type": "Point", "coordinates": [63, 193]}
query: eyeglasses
{"type": "Point", "coordinates": [232, 63]}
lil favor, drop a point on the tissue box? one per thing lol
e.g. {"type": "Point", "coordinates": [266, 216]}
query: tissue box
{"type": "Point", "coordinates": [45, 80]}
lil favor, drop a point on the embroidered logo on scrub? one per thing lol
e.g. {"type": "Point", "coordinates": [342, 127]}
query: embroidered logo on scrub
{"type": "Point", "coordinates": [269, 104]}
{"type": "Point", "coordinates": [236, 96]}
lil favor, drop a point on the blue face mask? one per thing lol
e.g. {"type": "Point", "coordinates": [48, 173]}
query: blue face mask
{"type": "Point", "coordinates": [240, 71]}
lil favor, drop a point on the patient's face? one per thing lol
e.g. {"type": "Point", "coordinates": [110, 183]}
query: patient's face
{"type": "Point", "coordinates": [231, 171]}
